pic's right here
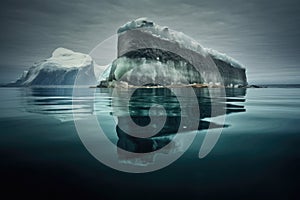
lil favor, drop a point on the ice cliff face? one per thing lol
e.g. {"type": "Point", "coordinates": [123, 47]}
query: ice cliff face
{"type": "Point", "coordinates": [60, 69]}
{"type": "Point", "coordinates": [151, 53]}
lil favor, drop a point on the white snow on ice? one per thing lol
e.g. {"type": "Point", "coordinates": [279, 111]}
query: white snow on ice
{"type": "Point", "coordinates": [183, 40]}
{"type": "Point", "coordinates": [62, 59]}
{"type": "Point", "coordinates": [66, 58]}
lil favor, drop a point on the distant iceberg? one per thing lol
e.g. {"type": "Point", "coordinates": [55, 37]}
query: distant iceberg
{"type": "Point", "coordinates": [61, 69]}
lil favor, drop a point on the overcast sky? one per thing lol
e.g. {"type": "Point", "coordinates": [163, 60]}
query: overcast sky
{"type": "Point", "coordinates": [261, 34]}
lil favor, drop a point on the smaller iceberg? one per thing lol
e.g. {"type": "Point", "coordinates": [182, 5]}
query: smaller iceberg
{"type": "Point", "coordinates": [61, 69]}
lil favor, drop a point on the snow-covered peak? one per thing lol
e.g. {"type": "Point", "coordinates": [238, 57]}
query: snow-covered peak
{"type": "Point", "coordinates": [163, 32]}
{"type": "Point", "coordinates": [138, 23]}
{"type": "Point", "coordinates": [183, 40]}
{"type": "Point", "coordinates": [67, 58]}
{"type": "Point", "coordinates": [61, 51]}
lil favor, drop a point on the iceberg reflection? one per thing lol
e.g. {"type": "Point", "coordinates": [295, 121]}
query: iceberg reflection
{"type": "Point", "coordinates": [116, 111]}
{"type": "Point", "coordinates": [144, 98]}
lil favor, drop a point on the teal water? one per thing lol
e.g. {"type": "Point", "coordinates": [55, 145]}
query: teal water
{"type": "Point", "coordinates": [257, 155]}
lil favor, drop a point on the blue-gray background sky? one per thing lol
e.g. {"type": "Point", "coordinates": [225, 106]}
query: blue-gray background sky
{"type": "Point", "coordinates": [261, 34]}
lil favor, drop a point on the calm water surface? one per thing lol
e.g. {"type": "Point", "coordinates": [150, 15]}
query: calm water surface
{"type": "Point", "coordinates": [257, 155]}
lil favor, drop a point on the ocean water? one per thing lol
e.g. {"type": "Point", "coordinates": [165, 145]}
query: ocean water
{"type": "Point", "coordinates": [256, 157]}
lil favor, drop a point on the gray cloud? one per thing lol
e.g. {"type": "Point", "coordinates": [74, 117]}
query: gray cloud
{"type": "Point", "coordinates": [261, 34]}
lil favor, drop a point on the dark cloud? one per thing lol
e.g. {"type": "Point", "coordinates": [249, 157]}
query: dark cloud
{"type": "Point", "coordinates": [263, 35]}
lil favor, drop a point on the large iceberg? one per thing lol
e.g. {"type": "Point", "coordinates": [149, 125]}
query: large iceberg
{"type": "Point", "coordinates": [61, 69]}
{"type": "Point", "coordinates": [149, 53]}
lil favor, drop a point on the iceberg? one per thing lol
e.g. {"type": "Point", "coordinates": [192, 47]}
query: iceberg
{"type": "Point", "coordinates": [156, 55]}
{"type": "Point", "coordinates": [61, 69]}
{"type": "Point", "coordinates": [146, 53]}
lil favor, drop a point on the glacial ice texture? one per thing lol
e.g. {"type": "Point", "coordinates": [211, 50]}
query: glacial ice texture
{"type": "Point", "coordinates": [60, 69]}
